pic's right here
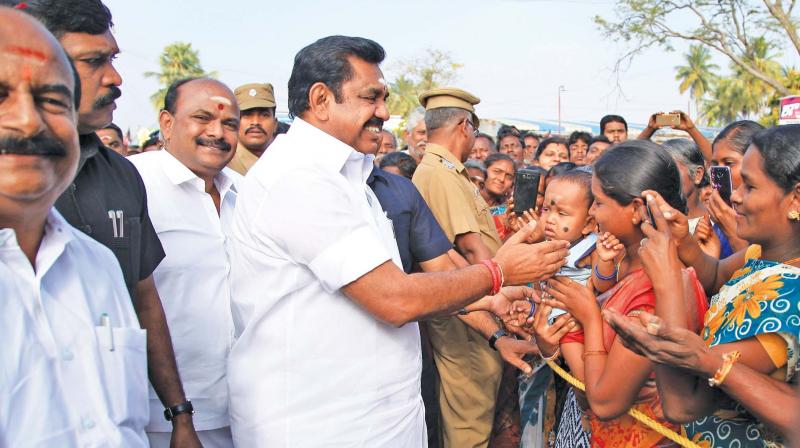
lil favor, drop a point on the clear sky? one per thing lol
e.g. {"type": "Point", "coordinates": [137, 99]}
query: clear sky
{"type": "Point", "coordinates": [515, 52]}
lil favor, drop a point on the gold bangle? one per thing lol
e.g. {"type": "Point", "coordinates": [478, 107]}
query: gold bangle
{"type": "Point", "coordinates": [551, 357]}
{"type": "Point", "coordinates": [593, 353]}
{"type": "Point", "coordinates": [728, 360]}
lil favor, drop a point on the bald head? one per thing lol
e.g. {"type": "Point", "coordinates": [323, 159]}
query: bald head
{"type": "Point", "coordinates": [37, 116]}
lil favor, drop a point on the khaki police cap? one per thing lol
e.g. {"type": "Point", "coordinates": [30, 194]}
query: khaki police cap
{"type": "Point", "coordinates": [451, 97]}
{"type": "Point", "coordinates": [253, 95]}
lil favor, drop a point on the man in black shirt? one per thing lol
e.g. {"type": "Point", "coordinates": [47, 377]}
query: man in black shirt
{"type": "Point", "coordinates": [107, 199]}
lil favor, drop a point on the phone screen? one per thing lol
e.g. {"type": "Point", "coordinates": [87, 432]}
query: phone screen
{"type": "Point", "coordinates": [721, 180]}
{"type": "Point", "coordinates": [526, 189]}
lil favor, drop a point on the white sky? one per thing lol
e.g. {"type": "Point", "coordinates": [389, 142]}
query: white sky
{"type": "Point", "coordinates": [515, 53]}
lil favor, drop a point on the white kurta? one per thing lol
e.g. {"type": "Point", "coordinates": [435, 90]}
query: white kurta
{"type": "Point", "coordinates": [192, 281]}
{"type": "Point", "coordinates": [65, 380]}
{"type": "Point", "coordinates": [311, 367]}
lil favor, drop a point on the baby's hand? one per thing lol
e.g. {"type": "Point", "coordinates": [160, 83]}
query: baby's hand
{"type": "Point", "coordinates": [609, 247]}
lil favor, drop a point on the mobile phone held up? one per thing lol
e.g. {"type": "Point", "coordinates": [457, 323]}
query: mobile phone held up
{"type": "Point", "coordinates": [721, 181]}
{"type": "Point", "coordinates": [526, 189]}
{"type": "Point", "coordinates": [671, 120]}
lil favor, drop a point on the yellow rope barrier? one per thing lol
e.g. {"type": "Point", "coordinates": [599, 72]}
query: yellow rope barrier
{"type": "Point", "coordinates": [644, 419]}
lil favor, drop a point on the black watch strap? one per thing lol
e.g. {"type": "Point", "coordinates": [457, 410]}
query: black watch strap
{"type": "Point", "coordinates": [497, 335]}
{"type": "Point", "coordinates": [183, 408]}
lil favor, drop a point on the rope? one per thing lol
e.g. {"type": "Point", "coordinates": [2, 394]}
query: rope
{"type": "Point", "coordinates": [638, 415]}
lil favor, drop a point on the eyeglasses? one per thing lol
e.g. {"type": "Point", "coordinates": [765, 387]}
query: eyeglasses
{"type": "Point", "coordinates": [475, 130]}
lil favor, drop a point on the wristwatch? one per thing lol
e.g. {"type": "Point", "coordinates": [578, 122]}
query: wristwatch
{"type": "Point", "coordinates": [495, 336]}
{"type": "Point", "coordinates": [183, 408]}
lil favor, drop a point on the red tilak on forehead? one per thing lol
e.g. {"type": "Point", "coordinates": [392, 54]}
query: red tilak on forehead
{"type": "Point", "coordinates": [26, 52]}
{"type": "Point", "coordinates": [26, 72]}
{"type": "Point", "coordinates": [21, 5]}
{"type": "Point", "coordinates": [220, 106]}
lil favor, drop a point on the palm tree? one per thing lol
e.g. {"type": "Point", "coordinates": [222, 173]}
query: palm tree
{"type": "Point", "coordinates": [697, 75]}
{"type": "Point", "coordinates": [742, 95]}
{"type": "Point", "coordinates": [178, 61]}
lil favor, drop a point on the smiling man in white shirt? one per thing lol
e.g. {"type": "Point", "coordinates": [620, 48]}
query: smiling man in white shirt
{"type": "Point", "coordinates": [74, 369]}
{"type": "Point", "coordinates": [328, 352]}
{"type": "Point", "coordinates": [192, 198]}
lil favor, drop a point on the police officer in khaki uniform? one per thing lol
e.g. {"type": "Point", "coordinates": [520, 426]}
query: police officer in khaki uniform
{"type": "Point", "coordinates": [469, 368]}
{"type": "Point", "coordinates": [257, 125]}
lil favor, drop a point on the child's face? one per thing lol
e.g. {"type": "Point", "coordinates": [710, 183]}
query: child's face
{"type": "Point", "coordinates": [565, 212]}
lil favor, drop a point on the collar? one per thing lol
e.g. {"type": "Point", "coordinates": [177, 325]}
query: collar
{"type": "Point", "coordinates": [57, 235]}
{"type": "Point", "coordinates": [329, 152]}
{"type": "Point", "coordinates": [90, 146]}
{"type": "Point", "coordinates": [444, 153]}
{"type": "Point", "coordinates": [245, 156]}
{"type": "Point", "coordinates": [178, 174]}
{"type": "Point", "coordinates": [376, 174]}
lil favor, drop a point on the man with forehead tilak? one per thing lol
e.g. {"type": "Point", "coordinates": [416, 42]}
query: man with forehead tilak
{"type": "Point", "coordinates": [107, 199]}
{"type": "Point", "coordinates": [192, 197]}
{"type": "Point", "coordinates": [73, 371]}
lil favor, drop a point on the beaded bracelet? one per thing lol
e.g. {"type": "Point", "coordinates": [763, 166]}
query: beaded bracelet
{"type": "Point", "coordinates": [613, 276]}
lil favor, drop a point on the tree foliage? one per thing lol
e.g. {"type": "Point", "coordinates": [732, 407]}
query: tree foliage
{"type": "Point", "coordinates": [434, 69]}
{"type": "Point", "coordinates": [725, 26]}
{"type": "Point", "coordinates": [179, 60]}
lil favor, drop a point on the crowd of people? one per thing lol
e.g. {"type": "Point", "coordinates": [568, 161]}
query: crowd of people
{"type": "Point", "coordinates": [225, 285]}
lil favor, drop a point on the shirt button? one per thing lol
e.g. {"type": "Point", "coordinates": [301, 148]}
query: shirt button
{"type": "Point", "coordinates": [67, 355]}
{"type": "Point", "coordinates": [87, 423]}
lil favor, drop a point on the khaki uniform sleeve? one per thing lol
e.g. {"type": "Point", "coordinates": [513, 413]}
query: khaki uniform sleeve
{"type": "Point", "coordinates": [451, 205]}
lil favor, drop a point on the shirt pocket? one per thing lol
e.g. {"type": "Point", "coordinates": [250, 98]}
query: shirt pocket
{"type": "Point", "coordinates": [124, 374]}
{"type": "Point", "coordinates": [127, 247]}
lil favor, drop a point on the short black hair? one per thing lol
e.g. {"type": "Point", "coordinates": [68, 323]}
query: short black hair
{"type": "Point", "coordinates": [738, 134]}
{"type": "Point", "coordinates": [281, 128]}
{"type": "Point", "coordinates": [67, 16]}
{"type": "Point", "coordinates": [600, 138]}
{"type": "Point", "coordinates": [549, 141]}
{"type": "Point", "coordinates": [582, 178]}
{"type": "Point", "coordinates": [560, 168]}
{"type": "Point", "coordinates": [171, 98]}
{"type": "Point", "coordinates": [780, 148]}
{"type": "Point", "coordinates": [508, 131]}
{"type": "Point", "coordinates": [527, 134]}
{"type": "Point", "coordinates": [493, 158]}
{"type": "Point", "coordinates": [404, 162]}
{"type": "Point", "coordinates": [612, 119]}
{"type": "Point", "coordinates": [579, 135]}
{"type": "Point", "coordinates": [116, 129]}
{"type": "Point", "coordinates": [326, 61]}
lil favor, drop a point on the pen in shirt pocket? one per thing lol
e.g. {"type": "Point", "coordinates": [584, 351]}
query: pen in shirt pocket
{"type": "Point", "coordinates": [105, 322]}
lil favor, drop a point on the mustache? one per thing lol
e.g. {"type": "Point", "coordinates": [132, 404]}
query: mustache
{"type": "Point", "coordinates": [40, 145]}
{"type": "Point", "coordinates": [113, 94]}
{"type": "Point", "coordinates": [255, 126]}
{"type": "Point", "coordinates": [211, 143]}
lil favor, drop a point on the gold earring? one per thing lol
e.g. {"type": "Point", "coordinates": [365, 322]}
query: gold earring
{"type": "Point", "coordinates": [794, 215]}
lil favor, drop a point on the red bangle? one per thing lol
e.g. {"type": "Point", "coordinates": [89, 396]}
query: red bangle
{"type": "Point", "coordinates": [496, 273]}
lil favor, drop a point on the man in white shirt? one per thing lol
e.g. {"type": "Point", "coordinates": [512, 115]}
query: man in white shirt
{"type": "Point", "coordinates": [192, 198]}
{"type": "Point", "coordinates": [73, 370]}
{"type": "Point", "coordinates": [328, 352]}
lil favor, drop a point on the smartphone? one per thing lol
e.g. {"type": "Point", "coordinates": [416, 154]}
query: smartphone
{"type": "Point", "coordinates": [526, 189]}
{"type": "Point", "coordinates": [721, 180]}
{"type": "Point", "coordinates": [651, 217]}
{"type": "Point", "coordinates": [671, 120]}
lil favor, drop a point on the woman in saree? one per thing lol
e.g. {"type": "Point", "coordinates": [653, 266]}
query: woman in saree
{"type": "Point", "coordinates": [735, 388]}
{"type": "Point", "coordinates": [616, 378]}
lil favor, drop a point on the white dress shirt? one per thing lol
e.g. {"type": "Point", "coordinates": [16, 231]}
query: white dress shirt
{"type": "Point", "coordinates": [65, 380]}
{"type": "Point", "coordinates": [310, 366]}
{"type": "Point", "coordinates": [192, 281]}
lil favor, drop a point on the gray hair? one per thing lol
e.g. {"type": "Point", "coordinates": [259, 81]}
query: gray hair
{"type": "Point", "coordinates": [414, 118]}
{"type": "Point", "coordinates": [443, 116]}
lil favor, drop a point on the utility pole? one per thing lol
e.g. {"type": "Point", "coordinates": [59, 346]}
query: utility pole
{"type": "Point", "coordinates": [560, 89]}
